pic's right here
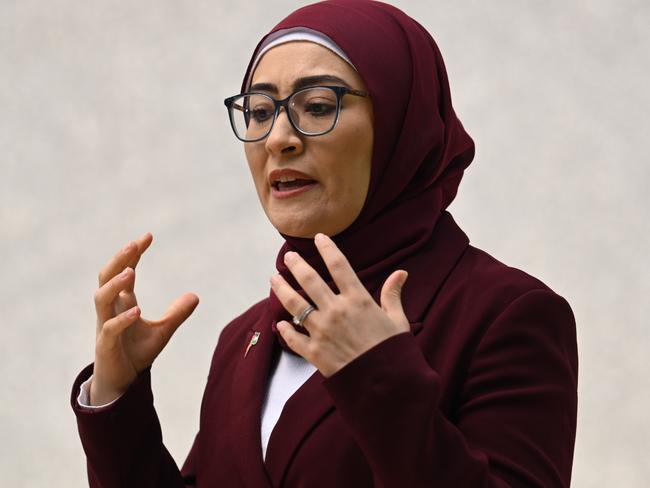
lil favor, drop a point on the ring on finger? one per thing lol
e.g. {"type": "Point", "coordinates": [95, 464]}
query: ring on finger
{"type": "Point", "coordinates": [299, 320]}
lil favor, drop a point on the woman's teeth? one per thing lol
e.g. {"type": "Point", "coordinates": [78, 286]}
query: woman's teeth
{"type": "Point", "coordinates": [290, 184]}
{"type": "Point", "coordinates": [286, 183]}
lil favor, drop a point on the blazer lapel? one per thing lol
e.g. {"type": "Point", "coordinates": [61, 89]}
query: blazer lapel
{"type": "Point", "coordinates": [304, 409]}
{"type": "Point", "coordinates": [249, 387]}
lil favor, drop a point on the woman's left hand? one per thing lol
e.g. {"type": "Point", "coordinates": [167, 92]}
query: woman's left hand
{"type": "Point", "coordinates": [343, 326]}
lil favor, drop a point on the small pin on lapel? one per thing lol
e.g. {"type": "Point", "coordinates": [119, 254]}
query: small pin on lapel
{"type": "Point", "coordinates": [253, 341]}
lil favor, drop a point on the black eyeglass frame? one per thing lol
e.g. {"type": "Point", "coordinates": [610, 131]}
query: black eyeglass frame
{"type": "Point", "coordinates": [340, 92]}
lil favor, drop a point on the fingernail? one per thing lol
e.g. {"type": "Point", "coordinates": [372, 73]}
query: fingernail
{"type": "Point", "coordinates": [320, 237]}
{"type": "Point", "coordinates": [128, 247]}
{"type": "Point", "coordinates": [125, 273]}
{"type": "Point", "coordinates": [134, 311]}
{"type": "Point", "coordinates": [274, 279]}
{"type": "Point", "coordinates": [290, 257]}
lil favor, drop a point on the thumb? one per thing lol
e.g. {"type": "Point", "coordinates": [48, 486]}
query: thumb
{"type": "Point", "coordinates": [391, 297]}
{"type": "Point", "coordinates": [177, 313]}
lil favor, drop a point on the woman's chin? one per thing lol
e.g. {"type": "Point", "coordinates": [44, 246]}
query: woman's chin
{"type": "Point", "coordinates": [295, 226]}
{"type": "Point", "coordinates": [291, 230]}
{"type": "Point", "coordinates": [308, 220]}
{"type": "Point", "coordinates": [307, 226]}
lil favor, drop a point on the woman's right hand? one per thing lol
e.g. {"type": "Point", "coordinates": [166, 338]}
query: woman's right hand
{"type": "Point", "coordinates": [126, 343]}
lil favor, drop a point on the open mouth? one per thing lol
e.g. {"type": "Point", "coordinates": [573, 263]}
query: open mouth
{"type": "Point", "coordinates": [288, 183]}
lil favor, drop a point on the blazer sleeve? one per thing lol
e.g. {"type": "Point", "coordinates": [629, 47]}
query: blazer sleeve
{"type": "Point", "coordinates": [516, 418]}
{"type": "Point", "coordinates": [123, 441]}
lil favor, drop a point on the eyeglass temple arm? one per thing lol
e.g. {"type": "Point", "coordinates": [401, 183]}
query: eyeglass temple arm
{"type": "Point", "coordinates": [358, 93]}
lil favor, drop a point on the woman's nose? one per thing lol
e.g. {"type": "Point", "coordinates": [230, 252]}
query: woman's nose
{"type": "Point", "coordinates": [283, 137]}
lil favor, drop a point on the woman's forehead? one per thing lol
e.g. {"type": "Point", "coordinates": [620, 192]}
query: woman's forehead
{"type": "Point", "coordinates": [286, 63]}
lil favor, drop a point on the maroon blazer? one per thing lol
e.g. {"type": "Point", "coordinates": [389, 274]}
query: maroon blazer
{"type": "Point", "coordinates": [484, 397]}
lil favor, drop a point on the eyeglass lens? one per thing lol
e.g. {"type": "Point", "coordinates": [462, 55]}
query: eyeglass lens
{"type": "Point", "coordinates": [313, 111]}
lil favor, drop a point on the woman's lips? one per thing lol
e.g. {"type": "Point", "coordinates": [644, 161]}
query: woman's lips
{"type": "Point", "coordinates": [288, 183]}
{"type": "Point", "coordinates": [292, 189]}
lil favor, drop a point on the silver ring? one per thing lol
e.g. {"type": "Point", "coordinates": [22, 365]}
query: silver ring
{"type": "Point", "coordinates": [298, 320]}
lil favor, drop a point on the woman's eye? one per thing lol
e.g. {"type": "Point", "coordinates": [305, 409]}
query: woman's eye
{"type": "Point", "coordinates": [261, 114]}
{"type": "Point", "coordinates": [320, 108]}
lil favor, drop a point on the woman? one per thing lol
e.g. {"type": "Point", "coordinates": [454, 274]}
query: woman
{"type": "Point", "coordinates": [391, 353]}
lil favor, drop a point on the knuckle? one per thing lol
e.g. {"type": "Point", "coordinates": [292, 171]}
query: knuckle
{"type": "Point", "coordinates": [295, 303]}
{"type": "Point", "coordinates": [104, 335]}
{"type": "Point", "coordinates": [314, 352]}
{"type": "Point", "coordinates": [309, 279]}
{"type": "Point", "coordinates": [105, 342]}
{"type": "Point", "coordinates": [110, 326]}
{"type": "Point", "coordinates": [365, 301]}
{"type": "Point", "coordinates": [337, 313]}
{"type": "Point", "coordinates": [319, 335]}
{"type": "Point", "coordinates": [338, 262]}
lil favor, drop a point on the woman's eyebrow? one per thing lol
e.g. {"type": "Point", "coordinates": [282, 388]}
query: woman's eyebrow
{"type": "Point", "coordinates": [318, 80]}
{"type": "Point", "coordinates": [302, 83]}
{"type": "Point", "coordinates": [267, 87]}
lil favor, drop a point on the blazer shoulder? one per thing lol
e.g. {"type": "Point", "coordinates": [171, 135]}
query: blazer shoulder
{"type": "Point", "coordinates": [483, 278]}
{"type": "Point", "coordinates": [509, 305]}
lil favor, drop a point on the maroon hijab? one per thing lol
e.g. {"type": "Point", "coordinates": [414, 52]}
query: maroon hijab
{"type": "Point", "coordinates": [420, 147]}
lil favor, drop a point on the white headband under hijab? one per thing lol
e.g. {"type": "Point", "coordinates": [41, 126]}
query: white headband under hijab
{"type": "Point", "coordinates": [296, 34]}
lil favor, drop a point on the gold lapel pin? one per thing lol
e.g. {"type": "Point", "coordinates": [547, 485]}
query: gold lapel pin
{"type": "Point", "coordinates": [253, 341]}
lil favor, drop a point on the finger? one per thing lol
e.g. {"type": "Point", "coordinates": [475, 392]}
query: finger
{"type": "Point", "coordinates": [391, 297]}
{"type": "Point", "coordinates": [128, 254]}
{"type": "Point", "coordinates": [308, 279]}
{"type": "Point", "coordinates": [337, 264]}
{"type": "Point", "coordinates": [295, 340]}
{"type": "Point", "coordinates": [114, 327]}
{"type": "Point", "coordinates": [142, 244]}
{"type": "Point", "coordinates": [117, 263]}
{"type": "Point", "coordinates": [125, 300]}
{"type": "Point", "coordinates": [176, 314]}
{"type": "Point", "coordinates": [290, 299]}
{"type": "Point", "coordinates": [106, 294]}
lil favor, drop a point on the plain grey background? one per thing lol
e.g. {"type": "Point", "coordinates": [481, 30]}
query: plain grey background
{"type": "Point", "coordinates": [112, 124]}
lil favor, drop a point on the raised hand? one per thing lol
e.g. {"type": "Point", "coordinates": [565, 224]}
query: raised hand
{"type": "Point", "coordinates": [345, 325]}
{"type": "Point", "coordinates": [126, 343]}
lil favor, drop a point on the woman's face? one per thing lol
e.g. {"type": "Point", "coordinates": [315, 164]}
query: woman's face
{"type": "Point", "coordinates": [333, 169]}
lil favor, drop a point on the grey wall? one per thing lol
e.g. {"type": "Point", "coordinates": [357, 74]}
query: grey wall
{"type": "Point", "coordinates": [112, 124]}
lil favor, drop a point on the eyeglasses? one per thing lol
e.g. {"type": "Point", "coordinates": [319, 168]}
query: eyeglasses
{"type": "Point", "coordinates": [312, 111]}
